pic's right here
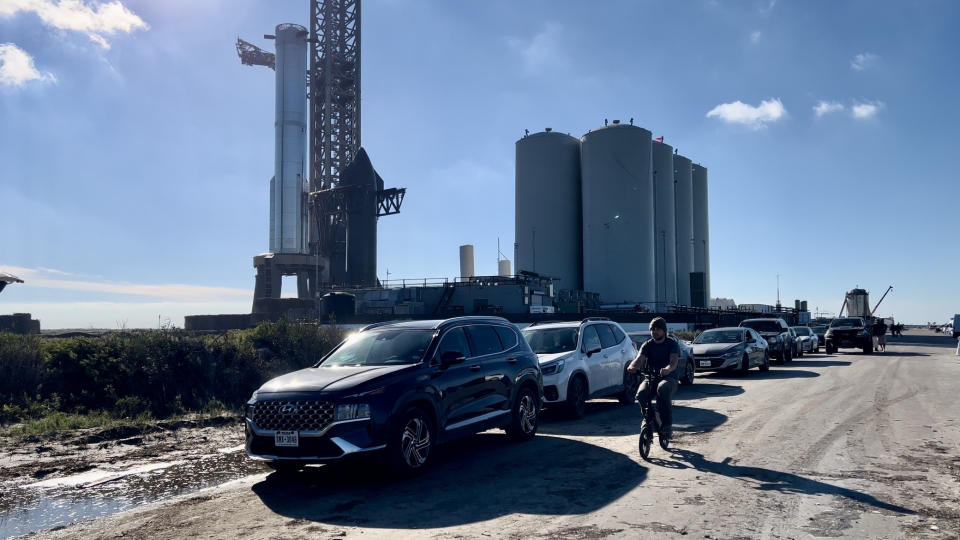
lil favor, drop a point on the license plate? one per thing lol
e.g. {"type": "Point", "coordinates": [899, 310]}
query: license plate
{"type": "Point", "coordinates": [286, 438]}
{"type": "Point", "coordinates": [704, 363]}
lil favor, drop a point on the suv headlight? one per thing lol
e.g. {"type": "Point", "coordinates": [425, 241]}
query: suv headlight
{"type": "Point", "coordinates": [351, 411]}
{"type": "Point", "coordinates": [550, 369]}
{"type": "Point", "coordinates": [249, 409]}
{"type": "Point", "coordinates": [731, 354]}
{"type": "Point", "coordinates": [773, 339]}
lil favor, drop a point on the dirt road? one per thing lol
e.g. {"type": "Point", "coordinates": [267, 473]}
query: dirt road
{"type": "Point", "coordinates": [846, 445]}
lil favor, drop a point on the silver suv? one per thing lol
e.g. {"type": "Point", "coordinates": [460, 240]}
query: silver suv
{"type": "Point", "coordinates": [581, 360]}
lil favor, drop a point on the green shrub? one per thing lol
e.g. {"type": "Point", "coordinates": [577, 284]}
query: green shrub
{"type": "Point", "coordinates": [149, 373]}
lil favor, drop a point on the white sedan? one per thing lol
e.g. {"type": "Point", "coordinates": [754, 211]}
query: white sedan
{"type": "Point", "coordinates": [809, 342]}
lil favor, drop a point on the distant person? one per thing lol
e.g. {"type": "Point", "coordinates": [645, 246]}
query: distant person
{"type": "Point", "coordinates": [882, 339]}
{"type": "Point", "coordinates": [875, 330]}
{"type": "Point", "coordinates": [900, 329]}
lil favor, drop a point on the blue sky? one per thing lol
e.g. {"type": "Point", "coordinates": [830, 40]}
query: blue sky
{"type": "Point", "coordinates": [136, 150]}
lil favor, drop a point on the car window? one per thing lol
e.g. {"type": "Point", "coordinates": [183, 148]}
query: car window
{"type": "Point", "coordinates": [720, 336]}
{"type": "Point", "coordinates": [591, 340]}
{"type": "Point", "coordinates": [483, 339]}
{"type": "Point", "coordinates": [764, 326]}
{"type": "Point", "coordinates": [453, 340]}
{"type": "Point", "coordinates": [508, 338]}
{"type": "Point", "coordinates": [617, 333]}
{"type": "Point", "coordinates": [606, 335]}
{"type": "Point", "coordinates": [551, 340]}
{"type": "Point", "coordinates": [381, 347]}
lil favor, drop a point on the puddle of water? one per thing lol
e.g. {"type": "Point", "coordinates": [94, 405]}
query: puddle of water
{"type": "Point", "coordinates": [97, 493]}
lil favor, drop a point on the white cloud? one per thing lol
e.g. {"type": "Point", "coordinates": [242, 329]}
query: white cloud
{"type": "Point", "coordinates": [542, 52]}
{"type": "Point", "coordinates": [862, 61]}
{"type": "Point", "coordinates": [827, 107]}
{"type": "Point", "coordinates": [94, 18]}
{"type": "Point", "coordinates": [863, 111]}
{"type": "Point", "coordinates": [757, 117]}
{"type": "Point", "coordinates": [755, 36]}
{"type": "Point", "coordinates": [17, 69]}
{"type": "Point", "coordinates": [175, 292]}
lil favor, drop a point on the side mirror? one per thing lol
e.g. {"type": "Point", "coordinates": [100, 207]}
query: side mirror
{"type": "Point", "coordinates": [594, 350]}
{"type": "Point", "coordinates": [450, 358]}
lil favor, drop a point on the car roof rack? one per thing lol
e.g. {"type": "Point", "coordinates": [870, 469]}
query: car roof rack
{"type": "Point", "coordinates": [588, 319]}
{"type": "Point", "coordinates": [376, 324]}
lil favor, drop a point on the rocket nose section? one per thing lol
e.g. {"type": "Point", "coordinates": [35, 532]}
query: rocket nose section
{"type": "Point", "coordinates": [361, 172]}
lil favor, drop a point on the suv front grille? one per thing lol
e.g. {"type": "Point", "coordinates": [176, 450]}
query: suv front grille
{"type": "Point", "coordinates": [303, 415]}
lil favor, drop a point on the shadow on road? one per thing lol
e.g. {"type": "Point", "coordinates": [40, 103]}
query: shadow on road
{"type": "Point", "coordinates": [771, 480]}
{"type": "Point", "coordinates": [547, 475]}
{"type": "Point", "coordinates": [625, 420]}
{"type": "Point", "coordinates": [776, 372]}
{"type": "Point", "coordinates": [900, 353]}
{"type": "Point", "coordinates": [816, 363]}
{"type": "Point", "coordinates": [701, 389]}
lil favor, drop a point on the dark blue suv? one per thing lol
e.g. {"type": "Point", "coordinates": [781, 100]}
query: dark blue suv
{"type": "Point", "coordinates": [398, 389]}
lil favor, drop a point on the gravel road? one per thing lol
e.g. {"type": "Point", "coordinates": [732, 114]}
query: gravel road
{"type": "Point", "coordinates": [845, 445]}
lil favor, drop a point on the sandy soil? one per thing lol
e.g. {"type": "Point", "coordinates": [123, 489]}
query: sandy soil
{"type": "Point", "coordinates": [846, 445]}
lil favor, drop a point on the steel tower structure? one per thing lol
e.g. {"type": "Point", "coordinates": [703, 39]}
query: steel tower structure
{"type": "Point", "coordinates": [334, 89]}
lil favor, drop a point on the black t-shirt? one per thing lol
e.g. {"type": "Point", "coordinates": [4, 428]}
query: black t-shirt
{"type": "Point", "coordinates": [658, 354]}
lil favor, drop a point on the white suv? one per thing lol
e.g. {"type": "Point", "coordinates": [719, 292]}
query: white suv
{"type": "Point", "coordinates": [581, 360]}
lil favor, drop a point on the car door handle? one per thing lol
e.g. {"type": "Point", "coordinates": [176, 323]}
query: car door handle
{"type": "Point", "coordinates": [475, 368]}
{"type": "Point", "coordinates": [511, 360]}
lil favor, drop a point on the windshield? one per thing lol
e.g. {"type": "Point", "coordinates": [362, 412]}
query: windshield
{"type": "Point", "coordinates": [720, 336]}
{"type": "Point", "coordinates": [846, 323]}
{"type": "Point", "coordinates": [763, 326]}
{"type": "Point", "coordinates": [381, 348]}
{"type": "Point", "coordinates": [801, 330]}
{"type": "Point", "coordinates": [551, 340]}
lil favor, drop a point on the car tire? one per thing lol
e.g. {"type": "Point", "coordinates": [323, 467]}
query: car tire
{"type": "Point", "coordinates": [285, 467]}
{"type": "Point", "coordinates": [577, 397]}
{"type": "Point", "coordinates": [779, 358]}
{"type": "Point", "coordinates": [687, 379]}
{"type": "Point", "coordinates": [868, 349]}
{"type": "Point", "coordinates": [525, 416]}
{"type": "Point", "coordinates": [631, 382]}
{"type": "Point", "coordinates": [744, 367]}
{"type": "Point", "coordinates": [831, 350]}
{"type": "Point", "coordinates": [788, 355]}
{"type": "Point", "coordinates": [765, 366]}
{"type": "Point", "coordinates": [408, 450]}
{"type": "Point", "coordinates": [799, 351]}
{"type": "Point", "coordinates": [817, 350]}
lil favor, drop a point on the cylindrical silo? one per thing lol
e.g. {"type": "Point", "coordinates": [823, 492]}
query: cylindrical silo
{"type": "Point", "coordinates": [503, 268]}
{"type": "Point", "coordinates": [683, 178]}
{"type": "Point", "coordinates": [701, 229]}
{"type": "Point", "coordinates": [665, 230]}
{"type": "Point", "coordinates": [618, 222]}
{"type": "Point", "coordinates": [288, 221]}
{"type": "Point", "coordinates": [466, 261]}
{"type": "Point", "coordinates": [547, 214]}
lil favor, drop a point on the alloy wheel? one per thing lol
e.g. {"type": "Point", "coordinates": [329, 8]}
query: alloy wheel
{"type": "Point", "coordinates": [528, 414]}
{"type": "Point", "coordinates": [415, 442]}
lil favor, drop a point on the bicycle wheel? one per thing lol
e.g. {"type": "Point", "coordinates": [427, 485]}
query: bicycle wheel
{"type": "Point", "coordinates": [646, 440]}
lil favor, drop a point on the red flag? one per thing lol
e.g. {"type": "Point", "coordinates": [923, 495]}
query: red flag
{"type": "Point", "coordinates": [659, 139]}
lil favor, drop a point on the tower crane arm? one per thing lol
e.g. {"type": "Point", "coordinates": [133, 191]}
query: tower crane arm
{"type": "Point", "coordinates": [251, 55]}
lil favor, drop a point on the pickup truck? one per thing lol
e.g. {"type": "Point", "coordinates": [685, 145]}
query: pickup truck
{"type": "Point", "coordinates": [849, 332]}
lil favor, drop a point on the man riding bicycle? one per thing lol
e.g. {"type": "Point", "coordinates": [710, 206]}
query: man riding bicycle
{"type": "Point", "coordinates": [661, 355]}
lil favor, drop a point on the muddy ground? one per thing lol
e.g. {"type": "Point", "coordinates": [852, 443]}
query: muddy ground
{"type": "Point", "coordinates": [845, 445]}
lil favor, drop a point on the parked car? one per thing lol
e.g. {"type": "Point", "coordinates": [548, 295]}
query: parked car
{"type": "Point", "coordinates": [732, 348]}
{"type": "Point", "coordinates": [686, 367]}
{"type": "Point", "coordinates": [795, 341]}
{"type": "Point", "coordinates": [398, 389]}
{"type": "Point", "coordinates": [956, 326]}
{"type": "Point", "coordinates": [777, 335]}
{"type": "Point", "coordinates": [849, 332]}
{"type": "Point", "coordinates": [821, 331]}
{"type": "Point", "coordinates": [582, 360]}
{"type": "Point", "coordinates": [809, 342]}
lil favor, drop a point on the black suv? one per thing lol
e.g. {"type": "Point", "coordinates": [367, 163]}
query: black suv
{"type": "Point", "coordinates": [777, 335]}
{"type": "Point", "coordinates": [397, 389]}
{"type": "Point", "coordinates": [849, 332]}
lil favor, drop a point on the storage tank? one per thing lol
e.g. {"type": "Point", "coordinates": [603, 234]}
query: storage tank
{"type": "Point", "coordinates": [466, 261]}
{"type": "Point", "coordinates": [665, 231]}
{"type": "Point", "coordinates": [547, 214]}
{"type": "Point", "coordinates": [503, 268]}
{"type": "Point", "coordinates": [288, 217]}
{"type": "Point", "coordinates": [683, 178]}
{"type": "Point", "coordinates": [618, 222]}
{"type": "Point", "coordinates": [701, 231]}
